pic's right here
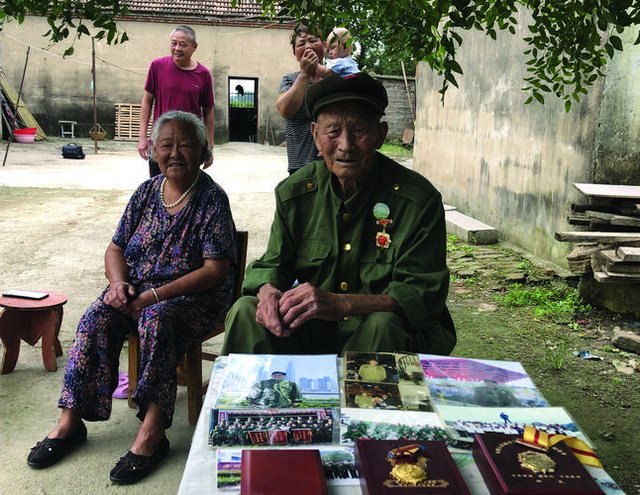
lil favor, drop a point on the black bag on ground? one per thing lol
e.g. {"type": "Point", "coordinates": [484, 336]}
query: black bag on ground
{"type": "Point", "coordinates": [72, 150]}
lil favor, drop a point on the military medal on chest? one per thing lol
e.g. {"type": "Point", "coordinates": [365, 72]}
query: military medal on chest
{"type": "Point", "coordinates": [381, 213]}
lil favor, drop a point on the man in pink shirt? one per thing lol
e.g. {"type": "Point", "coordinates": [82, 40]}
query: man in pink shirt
{"type": "Point", "coordinates": [176, 83]}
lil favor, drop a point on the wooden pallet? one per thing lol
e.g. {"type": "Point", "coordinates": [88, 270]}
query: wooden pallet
{"type": "Point", "coordinates": [127, 122]}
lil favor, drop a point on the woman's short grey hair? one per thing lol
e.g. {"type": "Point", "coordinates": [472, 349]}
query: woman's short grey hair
{"type": "Point", "coordinates": [191, 121]}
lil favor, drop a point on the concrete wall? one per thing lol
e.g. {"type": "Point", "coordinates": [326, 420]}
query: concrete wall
{"type": "Point", "coordinates": [60, 89]}
{"type": "Point", "coordinates": [504, 163]}
{"type": "Point", "coordinates": [617, 154]}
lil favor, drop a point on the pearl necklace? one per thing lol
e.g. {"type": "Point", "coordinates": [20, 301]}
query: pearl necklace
{"type": "Point", "coordinates": [181, 198]}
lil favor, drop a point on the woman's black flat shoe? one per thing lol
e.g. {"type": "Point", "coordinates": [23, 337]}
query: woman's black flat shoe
{"type": "Point", "coordinates": [51, 450]}
{"type": "Point", "coordinates": [132, 467]}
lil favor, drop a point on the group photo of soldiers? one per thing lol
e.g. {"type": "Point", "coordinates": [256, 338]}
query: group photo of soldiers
{"type": "Point", "coordinates": [278, 427]}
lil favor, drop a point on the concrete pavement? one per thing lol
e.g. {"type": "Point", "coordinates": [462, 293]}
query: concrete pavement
{"type": "Point", "coordinates": [56, 217]}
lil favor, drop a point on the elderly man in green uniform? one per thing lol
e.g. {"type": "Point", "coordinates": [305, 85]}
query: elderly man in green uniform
{"type": "Point", "coordinates": [275, 392]}
{"type": "Point", "coordinates": [364, 237]}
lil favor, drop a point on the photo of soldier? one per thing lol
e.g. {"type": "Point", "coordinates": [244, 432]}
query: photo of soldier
{"type": "Point", "coordinates": [371, 367]}
{"type": "Point", "coordinates": [339, 464]}
{"type": "Point", "coordinates": [492, 394]}
{"type": "Point", "coordinates": [372, 395]}
{"type": "Point", "coordinates": [275, 392]}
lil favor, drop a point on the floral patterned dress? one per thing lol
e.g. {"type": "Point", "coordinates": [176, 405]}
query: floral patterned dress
{"type": "Point", "coordinates": [159, 248]}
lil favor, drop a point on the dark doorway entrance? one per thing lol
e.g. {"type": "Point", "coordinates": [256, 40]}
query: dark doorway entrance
{"type": "Point", "coordinates": [243, 109]}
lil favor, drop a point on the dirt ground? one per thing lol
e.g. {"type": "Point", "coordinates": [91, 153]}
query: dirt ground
{"type": "Point", "coordinates": [602, 396]}
{"type": "Point", "coordinates": [56, 219]}
{"type": "Point", "coordinates": [57, 216]}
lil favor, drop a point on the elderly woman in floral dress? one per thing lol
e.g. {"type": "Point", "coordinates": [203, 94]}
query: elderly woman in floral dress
{"type": "Point", "coordinates": [169, 267]}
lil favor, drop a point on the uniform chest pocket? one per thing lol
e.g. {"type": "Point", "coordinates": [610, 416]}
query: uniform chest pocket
{"type": "Point", "coordinates": [376, 269]}
{"type": "Point", "coordinates": [311, 255]}
{"type": "Point", "coordinates": [314, 250]}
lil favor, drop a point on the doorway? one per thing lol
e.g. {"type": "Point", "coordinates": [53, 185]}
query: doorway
{"type": "Point", "coordinates": [243, 109]}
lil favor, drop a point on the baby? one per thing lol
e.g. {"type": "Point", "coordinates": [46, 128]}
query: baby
{"type": "Point", "coordinates": [339, 44]}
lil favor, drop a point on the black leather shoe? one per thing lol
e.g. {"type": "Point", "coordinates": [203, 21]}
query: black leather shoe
{"type": "Point", "coordinates": [132, 467]}
{"type": "Point", "coordinates": [51, 450]}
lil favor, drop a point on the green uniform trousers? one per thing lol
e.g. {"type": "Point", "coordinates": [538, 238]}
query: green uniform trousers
{"type": "Point", "coordinates": [378, 332]}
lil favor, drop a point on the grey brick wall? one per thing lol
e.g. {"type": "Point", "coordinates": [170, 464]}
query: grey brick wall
{"type": "Point", "coordinates": [399, 112]}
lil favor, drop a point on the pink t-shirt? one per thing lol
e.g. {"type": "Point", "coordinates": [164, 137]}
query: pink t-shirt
{"type": "Point", "coordinates": [177, 89]}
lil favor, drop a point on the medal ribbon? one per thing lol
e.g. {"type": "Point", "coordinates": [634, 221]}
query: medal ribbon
{"type": "Point", "coordinates": [542, 439]}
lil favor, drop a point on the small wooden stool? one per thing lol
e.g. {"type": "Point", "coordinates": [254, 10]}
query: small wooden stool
{"type": "Point", "coordinates": [30, 319]}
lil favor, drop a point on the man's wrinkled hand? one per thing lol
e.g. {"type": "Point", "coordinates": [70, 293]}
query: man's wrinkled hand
{"type": "Point", "coordinates": [267, 312]}
{"type": "Point", "coordinates": [306, 302]}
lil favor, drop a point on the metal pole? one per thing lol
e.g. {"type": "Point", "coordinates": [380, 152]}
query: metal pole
{"type": "Point", "coordinates": [406, 85]}
{"type": "Point", "coordinates": [93, 84]}
{"type": "Point", "coordinates": [13, 124]}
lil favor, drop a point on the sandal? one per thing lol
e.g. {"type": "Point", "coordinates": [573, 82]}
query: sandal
{"type": "Point", "coordinates": [122, 390]}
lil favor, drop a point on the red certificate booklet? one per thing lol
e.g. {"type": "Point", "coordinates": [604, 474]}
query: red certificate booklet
{"type": "Point", "coordinates": [282, 472]}
{"type": "Point", "coordinates": [404, 467]}
{"type": "Point", "coordinates": [510, 468]}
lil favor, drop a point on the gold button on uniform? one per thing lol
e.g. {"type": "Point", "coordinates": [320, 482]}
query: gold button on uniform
{"type": "Point", "coordinates": [347, 318]}
{"type": "Point", "coordinates": [344, 286]}
{"type": "Point", "coordinates": [347, 247]}
{"type": "Point", "coordinates": [346, 216]}
{"type": "Point", "coordinates": [396, 187]}
{"type": "Point", "coordinates": [309, 185]}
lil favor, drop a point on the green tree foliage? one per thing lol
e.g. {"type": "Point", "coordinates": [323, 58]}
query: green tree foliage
{"type": "Point", "coordinates": [70, 18]}
{"type": "Point", "coordinates": [372, 55]}
{"type": "Point", "coordinates": [568, 41]}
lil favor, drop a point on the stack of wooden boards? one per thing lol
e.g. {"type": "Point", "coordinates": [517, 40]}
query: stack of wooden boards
{"type": "Point", "coordinates": [611, 247]}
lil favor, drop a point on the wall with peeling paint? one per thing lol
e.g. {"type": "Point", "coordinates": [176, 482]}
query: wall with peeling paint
{"type": "Point", "coordinates": [512, 165]}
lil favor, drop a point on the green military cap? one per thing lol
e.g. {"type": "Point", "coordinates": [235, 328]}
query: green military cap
{"type": "Point", "coordinates": [360, 87]}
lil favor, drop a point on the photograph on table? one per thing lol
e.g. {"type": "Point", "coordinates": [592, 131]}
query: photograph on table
{"type": "Point", "coordinates": [279, 382]}
{"type": "Point", "coordinates": [268, 428]}
{"type": "Point", "coordinates": [383, 367]}
{"type": "Point", "coordinates": [366, 395]}
{"type": "Point", "coordinates": [465, 382]}
{"type": "Point", "coordinates": [409, 369]}
{"type": "Point", "coordinates": [391, 425]}
{"type": "Point", "coordinates": [228, 470]}
{"type": "Point", "coordinates": [464, 422]}
{"type": "Point", "coordinates": [377, 367]}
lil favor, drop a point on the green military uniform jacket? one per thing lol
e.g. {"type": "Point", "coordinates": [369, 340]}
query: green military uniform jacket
{"type": "Point", "coordinates": [317, 237]}
{"type": "Point", "coordinates": [275, 393]}
{"type": "Point", "coordinates": [364, 401]}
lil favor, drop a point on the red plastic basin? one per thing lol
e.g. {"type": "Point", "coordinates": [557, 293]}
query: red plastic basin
{"type": "Point", "coordinates": [27, 131]}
